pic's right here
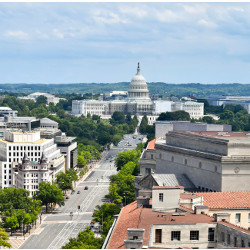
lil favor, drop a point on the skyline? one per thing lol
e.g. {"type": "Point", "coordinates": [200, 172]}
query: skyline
{"type": "Point", "coordinates": [102, 42]}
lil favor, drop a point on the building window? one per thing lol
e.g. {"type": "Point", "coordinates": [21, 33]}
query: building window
{"type": "Point", "coordinates": [222, 236]}
{"type": "Point", "coordinates": [172, 158]}
{"type": "Point", "coordinates": [228, 239]}
{"type": "Point", "coordinates": [215, 168]}
{"type": "Point", "coordinates": [242, 243]}
{"type": "Point", "coordinates": [185, 162]}
{"type": "Point", "coordinates": [235, 241]}
{"type": "Point", "coordinates": [148, 170]}
{"type": "Point", "coordinates": [175, 235]}
{"type": "Point", "coordinates": [194, 235]}
{"type": "Point", "coordinates": [160, 156]}
{"type": "Point", "coordinates": [158, 235]}
{"type": "Point", "coordinates": [152, 157]}
{"type": "Point", "coordinates": [249, 218]}
{"type": "Point", "coordinates": [10, 182]}
{"type": "Point", "coordinates": [237, 218]}
{"type": "Point", "coordinates": [200, 165]}
{"type": "Point", "coordinates": [161, 197]}
{"type": "Point", "coordinates": [210, 234]}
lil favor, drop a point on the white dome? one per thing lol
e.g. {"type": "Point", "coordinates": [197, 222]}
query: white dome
{"type": "Point", "coordinates": [138, 89]}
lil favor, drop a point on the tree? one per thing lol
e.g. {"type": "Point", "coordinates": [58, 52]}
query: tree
{"type": "Point", "coordinates": [118, 118]}
{"type": "Point", "coordinates": [125, 157]}
{"type": "Point", "coordinates": [49, 194]}
{"type": "Point", "coordinates": [11, 222]}
{"type": "Point", "coordinates": [104, 215]}
{"type": "Point", "coordinates": [72, 174]}
{"type": "Point", "coordinates": [4, 239]}
{"type": "Point", "coordinates": [41, 100]}
{"type": "Point", "coordinates": [144, 124]}
{"type": "Point", "coordinates": [85, 240]}
{"type": "Point", "coordinates": [64, 181]}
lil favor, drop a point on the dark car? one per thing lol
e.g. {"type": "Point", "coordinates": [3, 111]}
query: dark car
{"type": "Point", "coordinates": [78, 192]}
{"type": "Point", "coordinates": [86, 188]}
{"type": "Point", "coordinates": [67, 197]}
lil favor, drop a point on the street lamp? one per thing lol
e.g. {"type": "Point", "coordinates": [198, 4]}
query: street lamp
{"type": "Point", "coordinates": [125, 198]}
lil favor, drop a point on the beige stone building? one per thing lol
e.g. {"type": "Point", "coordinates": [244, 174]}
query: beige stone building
{"type": "Point", "coordinates": [163, 223]}
{"type": "Point", "coordinates": [213, 161]}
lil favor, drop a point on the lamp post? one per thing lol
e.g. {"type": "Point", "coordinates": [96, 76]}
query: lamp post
{"type": "Point", "coordinates": [125, 198]}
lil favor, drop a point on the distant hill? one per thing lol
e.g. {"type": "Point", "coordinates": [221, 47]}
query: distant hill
{"type": "Point", "coordinates": [196, 89]}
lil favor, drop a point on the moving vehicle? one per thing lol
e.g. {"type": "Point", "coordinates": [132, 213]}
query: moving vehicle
{"type": "Point", "coordinates": [86, 188]}
{"type": "Point", "coordinates": [78, 192]}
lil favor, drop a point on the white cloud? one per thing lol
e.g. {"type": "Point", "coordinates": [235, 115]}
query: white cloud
{"type": "Point", "coordinates": [134, 11]}
{"type": "Point", "coordinates": [108, 17]}
{"type": "Point", "coordinates": [19, 34]}
{"type": "Point", "coordinates": [168, 16]}
{"type": "Point", "coordinates": [58, 34]}
{"type": "Point", "coordinates": [206, 23]}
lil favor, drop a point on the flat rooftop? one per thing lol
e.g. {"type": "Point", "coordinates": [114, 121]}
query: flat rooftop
{"type": "Point", "coordinates": [220, 135]}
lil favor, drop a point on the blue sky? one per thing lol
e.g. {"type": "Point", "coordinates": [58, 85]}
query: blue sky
{"type": "Point", "coordinates": [102, 42]}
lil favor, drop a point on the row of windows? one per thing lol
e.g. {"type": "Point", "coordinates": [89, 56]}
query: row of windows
{"type": "Point", "coordinates": [22, 154]}
{"type": "Point", "coordinates": [32, 186]}
{"type": "Point", "coordinates": [11, 148]}
{"type": "Point", "coordinates": [5, 182]}
{"type": "Point", "coordinates": [176, 235]}
{"type": "Point", "coordinates": [236, 241]}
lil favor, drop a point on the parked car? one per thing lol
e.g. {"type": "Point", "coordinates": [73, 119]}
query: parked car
{"type": "Point", "coordinates": [86, 188]}
{"type": "Point", "coordinates": [67, 197]}
{"type": "Point", "coordinates": [78, 192]}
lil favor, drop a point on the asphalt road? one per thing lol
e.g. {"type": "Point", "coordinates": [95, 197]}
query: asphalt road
{"type": "Point", "coordinates": [57, 228]}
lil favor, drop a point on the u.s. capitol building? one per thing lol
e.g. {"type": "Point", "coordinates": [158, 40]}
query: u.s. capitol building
{"type": "Point", "coordinates": [138, 102]}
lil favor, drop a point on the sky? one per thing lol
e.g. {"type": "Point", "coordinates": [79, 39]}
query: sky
{"type": "Point", "coordinates": [85, 42]}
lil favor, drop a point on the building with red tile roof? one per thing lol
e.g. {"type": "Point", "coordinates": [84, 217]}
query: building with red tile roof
{"type": "Point", "coordinates": [140, 226]}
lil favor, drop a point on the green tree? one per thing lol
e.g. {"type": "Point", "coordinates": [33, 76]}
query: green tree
{"type": "Point", "coordinates": [64, 181]}
{"type": "Point", "coordinates": [85, 240]}
{"type": "Point", "coordinates": [49, 194]}
{"type": "Point", "coordinates": [125, 157]}
{"type": "Point", "coordinates": [11, 222]}
{"type": "Point", "coordinates": [4, 239]}
{"type": "Point", "coordinates": [144, 124]}
{"type": "Point", "coordinates": [41, 100]}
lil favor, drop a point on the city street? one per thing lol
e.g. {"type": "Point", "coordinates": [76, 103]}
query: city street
{"type": "Point", "coordinates": [67, 221]}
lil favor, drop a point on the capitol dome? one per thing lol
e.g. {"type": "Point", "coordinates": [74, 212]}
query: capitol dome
{"type": "Point", "coordinates": [138, 88]}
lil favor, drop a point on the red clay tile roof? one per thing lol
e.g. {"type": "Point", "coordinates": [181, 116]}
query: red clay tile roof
{"type": "Point", "coordinates": [226, 200]}
{"type": "Point", "coordinates": [143, 218]}
{"type": "Point", "coordinates": [129, 218]}
{"type": "Point", "coordinates": [189, 195]}
{"type": "Point", "coordinates": [151, 145]}
{"type": "Point", "coordinates": [234, 226]}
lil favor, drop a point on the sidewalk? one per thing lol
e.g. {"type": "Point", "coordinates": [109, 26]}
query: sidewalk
{"type": "Point", "coordinates": [17, 240]}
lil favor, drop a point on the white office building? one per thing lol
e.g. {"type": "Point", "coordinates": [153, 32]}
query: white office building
{"type": "Point", "coordinates": [16, 144]}
{"type": "Point", "coordinates": [6, 111]}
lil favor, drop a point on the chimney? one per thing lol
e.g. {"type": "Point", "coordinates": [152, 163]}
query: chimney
{"type": "Point", "coordinates": [142, 201]}
{"type": "Point", "coordinates": [221, 217]}
{"type": "Point", "coordinates": [201, 209]}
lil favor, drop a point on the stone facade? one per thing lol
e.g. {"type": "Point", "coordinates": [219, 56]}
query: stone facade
{"type": "Point", "coordinates": [213, 163]}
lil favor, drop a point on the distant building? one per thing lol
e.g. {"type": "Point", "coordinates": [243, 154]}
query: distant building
{"type": "Point", "coordinates": [163, 127]}
{"type": "Point", "coordinates": [213, 161]}
{"type": "Point", "coordinates": [6, 111]}
{"type": "Point", "coordinates": [68, 148]}
{"type": "Point", "coordinates": [30, 174]}
{"type": "Point", "coordinates": [50, 98]}
{"type": "Point", "coordinates": [244, 101]}
{"type": "Point", "coordinates": [16, 144]}
{"type": "Point", "coordinates": [137, 102]}
{"type": "Point", "coordinates": [161, 222]}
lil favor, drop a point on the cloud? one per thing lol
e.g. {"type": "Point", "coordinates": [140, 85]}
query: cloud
{"type": "Point", "coordinates": [206, 23]}
{"type": "Point", "coordinates": [19, 34]}
{"type": "Point", "coordinates": [58, 34]}
{"type": "Point", "coordinates": [133, 11]}
{"type": "Point", "coordinates": [108, 17]}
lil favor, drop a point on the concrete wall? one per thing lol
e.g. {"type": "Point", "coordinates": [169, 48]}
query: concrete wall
{"type": "Point", "coordinates": [233, 233]}
{"type": "Point", "coordinates": [185, 236]}
{"type": "Point", "coordinates": [171, 199]}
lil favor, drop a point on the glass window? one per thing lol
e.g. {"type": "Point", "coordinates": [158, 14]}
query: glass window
{"type": "Point", "coordinates": [158, 235]}
{"type": "Point", "coordinates": [235, 241]}
{"type": "Point", "coordinates": [210, 234]}
{"type": "Point", "coordinates": [175, 235]}
{"type": "Point", "coordinates": [228, 239]}
{"type": "Point", "coordinates": [161, 197]}
{"type": "Point", "coordinates": [237, 218]}
{"type": "Point", "coordinates": [222, 236]}
{"type": "Point", "coordinates": [194, 235]}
